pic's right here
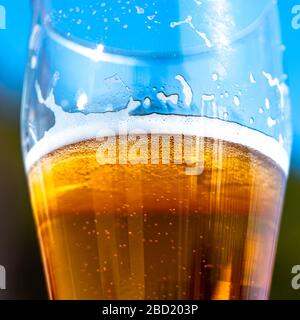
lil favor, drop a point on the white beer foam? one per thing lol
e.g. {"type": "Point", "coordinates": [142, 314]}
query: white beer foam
{"type": "Point", "coordinates": [74, 127]}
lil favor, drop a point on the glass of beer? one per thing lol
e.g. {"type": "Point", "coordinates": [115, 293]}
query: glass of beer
{"type": "Point", "coordinates": [156, 141]}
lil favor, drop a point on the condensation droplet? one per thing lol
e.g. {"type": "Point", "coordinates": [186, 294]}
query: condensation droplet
{"type": "Point", "coordinates": [82, 101]}
{"type": "Point", "coordinates": [186, 89]}
{"type": "Point", "coordinates": [267, 103]}
{"type": "Point", "coordinates": [261, 110]}
{"type": "Point", "coordinates": [251, 78]}
{"type": "Point", "coordinates": [226, 115]}
{"type": "Point", "coordinates": [251, 120]}
{"type": "Point", "coordinates": [198, 2]}
{"type": "Point", "coordinates": [147, 102]}
{"type": "Point", "coordinates": [236, 101]}
{"type": "Point", "coordinates": [271, 122]}
{"type": "Point", "coordinates": [280, 139]}
{"type": "Point", "coordinates": [139, 10]}
{"type": "Point", "coordinates": [208, 97]}
{"type": "Point", "coordinates": [215, 77]}
{"type": "Point", "coordinates": [33, 62]}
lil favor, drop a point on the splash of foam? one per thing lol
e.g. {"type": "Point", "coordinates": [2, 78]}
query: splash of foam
{"type": "Point", "coordinates": [189, 22]}
{"type": "Point", "coordinates": [73, 127]}
{"type": "Point", "coordinates": [173, 98]}
{"type": "Point", "coordinates": [281, 87]}
{"type": "Point", "coordinates": [186, 89]}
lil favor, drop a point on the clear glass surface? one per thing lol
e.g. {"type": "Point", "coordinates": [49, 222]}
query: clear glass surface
{"type": "Point", "coordinates": [156, 139]}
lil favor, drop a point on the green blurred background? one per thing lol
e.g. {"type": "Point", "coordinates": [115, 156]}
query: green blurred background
{"type": "Point", "coordinates": [19, 251]}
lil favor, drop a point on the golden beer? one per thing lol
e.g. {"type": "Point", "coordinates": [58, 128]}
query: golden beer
{"type": "Point", "coordinates": [157, 217]}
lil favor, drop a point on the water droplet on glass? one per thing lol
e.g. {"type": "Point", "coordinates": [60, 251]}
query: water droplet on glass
{"type": "Point", "coordinates": [280, 139]}
{"type": "Point", "coordinates": [186, 89]}
{"type": "Point", "coordinates": [139, 10]}
{"type": "Point", "coordinates": [271, 122]}
{"type": "Point", "coordinates": [236, 101]}
{"type": "Point", "coordinates": [267, 103]}
{"type": "Point", "coordinates": [82, 101]}
{"type": "Point", "coordinates": [215, 77]}
{"type": "Point", "coordinates": [33, 62]}
{"type": "Point", "coordinates": [251, 78]}
{"type": "Point", "coordinates": [147, 102]}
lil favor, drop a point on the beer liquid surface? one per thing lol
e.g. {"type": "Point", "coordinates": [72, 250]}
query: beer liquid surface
{"type": "Point", "coordinates": [195, 218]}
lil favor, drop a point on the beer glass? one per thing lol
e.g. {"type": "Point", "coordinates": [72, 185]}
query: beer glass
{"type": "Point", "coordinates": [156, 139]}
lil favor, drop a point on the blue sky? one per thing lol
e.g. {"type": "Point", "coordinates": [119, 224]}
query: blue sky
{"type": "Point", "coordinates": [291, 39]}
